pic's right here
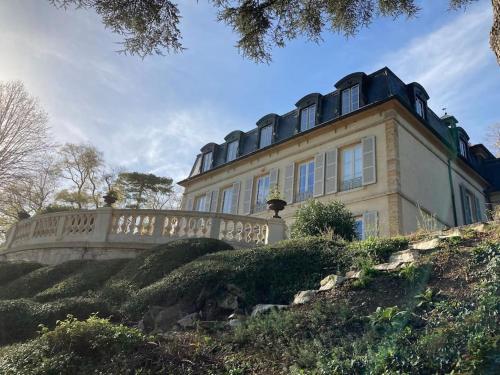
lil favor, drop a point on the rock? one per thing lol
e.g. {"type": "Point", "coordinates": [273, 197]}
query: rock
{"type": "Point", "coordinates": [388, 267]}
{"type": "Point", "coordinates": [405, 256]}
{"type": "Point", "coordinates": [233, 323]}
{"type": "Point", "coordinates": [162, 319]}
{"type": "Point", "coordinates": [189, 321]}
{"type": "Point", "coordinates": [264, 308]}
{"type": "Point", "coordinates": [228, 301]}
{"type": "Point", "coordinates": [353, 275]}
{"type": "Point", "coordinates": [427, 245]}
{"type": "Point", "coordinates": [480, 228]}
{"type": "Point", "coordinates": [303, 297]}
{"type": "Point", "coordinates": [331, 282]}
{"type": "Point", "coordinates": [455, 232]}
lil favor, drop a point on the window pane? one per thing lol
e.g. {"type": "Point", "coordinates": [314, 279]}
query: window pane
{"type": "Point", "coordinates": [354, 97]}
{"type": "Point", "coordinates": [302, 178]}
{"type": "Point", "coordinates": [303, 120]}
{"type": "Point", "coordinates": [310, 175]}
{"type": "Point", "coordinates": [358, 161]}
{"type": "Point", "coordinates": [232, 148]}
{"type": "Point", "coordinates": [227, 198]}
{"type": "Point", "coordinates": [207, 161]}
{"type": "Point", "coordinates": [346, 164]}
{"type": "Point", "coordinates": [312, 115]}
{"type": "Point", "coordinates": [346, 105]}
{"type": "Point", "coordinates": [200, 203]}
{"type": "Point", "coordinates": [358, 228]}
{"type": "Point", "coordinates": [265, 136]}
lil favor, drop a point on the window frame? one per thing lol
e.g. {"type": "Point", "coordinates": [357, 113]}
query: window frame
{"type": "Point", "coordinates": [349, 92]}
{"type": "Point", "coordinates": [420, 106]}
{"type": "Point", "coordinates": [229, 144]}
{"type": "Point", "coordinates": [355, 181]}
{"type": "Point", "coordinates": [223, 200]}
{"type": "Point", "coordinates": [200, 198]}
{"type": "Point", "coordinates": [205, 168]}
{"type": "Point", "coordinates": [301, 196]}
{"type": "Point", "coordinates": [259, 206]}
{"type": "Point", "coordinates": [261, 130]}
{"type": "Point", "coordinates": [308, 110]}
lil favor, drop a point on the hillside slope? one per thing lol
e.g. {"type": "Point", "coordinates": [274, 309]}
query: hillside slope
{"type": "Point", "coordinates": [438, 313]}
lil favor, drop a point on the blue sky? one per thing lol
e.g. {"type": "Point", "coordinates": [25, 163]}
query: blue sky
{"type": "Point", "coordinates": [155, 114]}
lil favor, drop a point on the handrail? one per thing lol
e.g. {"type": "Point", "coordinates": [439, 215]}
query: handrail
{"type": "Point", "coordinates": [144, 226]}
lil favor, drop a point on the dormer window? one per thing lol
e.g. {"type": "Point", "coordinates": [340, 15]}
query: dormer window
{"type": "Point", "coordinates": [463, 148]}
{"type": "Point", "coordinates": [232, 151]}
{"type": "Point", "coordinates": [266, 135]}
{"type": "Point", "coordinates": [308, 117]}
{"type": "Point", "coordinates": [350, 99]}
{"type": "Point", "coordinates": [207, 161]}
{"type": "Point", "coordinates": [420, 107]}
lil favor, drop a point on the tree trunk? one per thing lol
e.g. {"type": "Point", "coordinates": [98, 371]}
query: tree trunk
{"type": "Point", "coordinates": [495, 30]}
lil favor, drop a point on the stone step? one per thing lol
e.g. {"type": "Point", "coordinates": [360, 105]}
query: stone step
{"type": "Point", "coordinates": [331, 282]}
{"type": "Point", "coordinates": [405, 256]}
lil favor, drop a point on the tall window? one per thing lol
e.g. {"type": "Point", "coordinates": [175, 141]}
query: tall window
{"type": "Point", "coordinates": [207, 161]}
{"type": "Point", "coordinates": [463, 148]}
{"type": "Point", "coordinates": [350, 99]}
{"type": "Point", "coordinates": [358, 228]}
{"type": "Point", "coordinates": [419, 106]}
{"type": "Point", "coordinates": [308, 117]}
{"type": "Point", "coordinates": [352, 167]}
{"type": "Point", "coordinates": [305, 181]}
{"type": "Point", "coordinates": [232, 149]}
{"type": "Point", "coordinates": [227, 200]}
{"type": "Point", "coordinates": [472, 210]}
{"type": "Point", "coordinates": [199, 203]}
{"type": "Point", "coordinates": [261, 193]}
{"type": "Point", "coordinates": [266, 134]}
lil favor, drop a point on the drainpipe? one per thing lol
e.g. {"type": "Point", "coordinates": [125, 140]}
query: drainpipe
{"type": "Point", "coordinates": [455, 221]}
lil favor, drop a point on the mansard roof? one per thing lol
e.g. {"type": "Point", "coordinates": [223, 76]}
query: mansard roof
{"type": "Point", "coordinates": [374, 88]}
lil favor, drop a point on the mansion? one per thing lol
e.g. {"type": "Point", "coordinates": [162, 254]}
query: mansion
{"type": "Point", "coordinates": [373, 144]}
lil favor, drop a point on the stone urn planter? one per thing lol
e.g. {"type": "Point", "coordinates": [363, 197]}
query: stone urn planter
{"type": "Point", "coordinates": [276, 205]}
{"type": "Point", "coordinates": [110, 198]}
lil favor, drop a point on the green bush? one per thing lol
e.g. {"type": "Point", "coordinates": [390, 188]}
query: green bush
{"type": "Point", "coordinates": [376, 250]}
{"type": "Point", "coordinates": [20, 318]}
{"type": "Point", "coordinates": [80, 347]}
{"type": "Point", "coordinates": [269, 274]}
{"type": "Point", "coordinates": [315, 218]}
{"type": "Point", "coordinates": [40, 279]}
{"type": "Point", "coordinates": [10, 271]}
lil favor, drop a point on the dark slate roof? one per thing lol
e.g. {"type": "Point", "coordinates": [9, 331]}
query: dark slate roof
{"type": "Point", "coordinates": [376, 87]}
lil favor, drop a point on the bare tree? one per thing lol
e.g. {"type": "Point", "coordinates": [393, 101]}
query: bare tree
{"type": "Point", "coordinates": [82, 166]}
{"type": "Point", "coordinates": [493, 138]}
{"type": "Point", "coordinates": [23, 133]}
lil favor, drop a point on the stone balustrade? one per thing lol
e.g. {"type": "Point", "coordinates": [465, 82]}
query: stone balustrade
{"type": "Point", "coordinates": [110, 233]}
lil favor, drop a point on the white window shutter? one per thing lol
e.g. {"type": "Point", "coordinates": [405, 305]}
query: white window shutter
{"type": "Point", "coordinates": [319, 175]}
{"type": "Point", "coordinates": [288, 186]}
{"type": "Point", "coordinates": [369, 160]}
{"type": "Point", "coordinates": [273, 178]}
{"type": "Point", "coordinates": [189, 204]}
{"type": "Point", "coordinates": [331, 171]}
{"type": "Point", "coordinates": [235, 198]}
{"type": "Point", "coordinates": [214, 200]}
{"type": "Point", "coordinates": [370, 224]}
{"type": "Point", "coordinates": [247, 196]}
{"type": "Point", "coordinates": [208, 201]}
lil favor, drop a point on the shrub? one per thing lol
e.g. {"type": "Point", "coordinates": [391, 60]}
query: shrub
{"type": "Point", "coordinates": [269, 274]}
{"type": "Point", "coordinates": [10, 271]}
{"type": "Point", "coordinates": [376, 250]}
{"type": "Point", "coordinates": [315, 218]}
{"type": "Point", "coordinates": [79, 347]}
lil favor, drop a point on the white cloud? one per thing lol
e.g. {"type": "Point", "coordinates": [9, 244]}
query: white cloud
{"type": "Point", "coordinates": [447, 60]}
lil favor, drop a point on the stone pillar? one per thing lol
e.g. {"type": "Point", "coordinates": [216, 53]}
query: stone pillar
{"type": "Point", "coordinates": [276, 230]}
{"type": "Point", "coordinates": [158, 227]}
{"type": "Point", "coordinates": [102, 224]}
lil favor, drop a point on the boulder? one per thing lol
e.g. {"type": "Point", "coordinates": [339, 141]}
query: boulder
{"type": "Point", "coordinates": [265, 308]}
{"type": "Point", "coordinates": [304, 297]}
{"type": "Point", "coordinates": [189, 321]}
{"type": "Point", "coordinates": [331, 282]}
{"type": "Point", "coordinates": [427, 245]}
{"type": "Point", "coordinates": [388, 267]}
{"type": "Point", "coordinates": [405, 256]}
{"type": "Point", "coordinates": [162, 319]}
{"type": "Point", "coordinates": [353, 275]}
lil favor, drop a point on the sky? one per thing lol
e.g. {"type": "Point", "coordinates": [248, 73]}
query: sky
{"type": "Point", "coordinates": [154, 115]}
